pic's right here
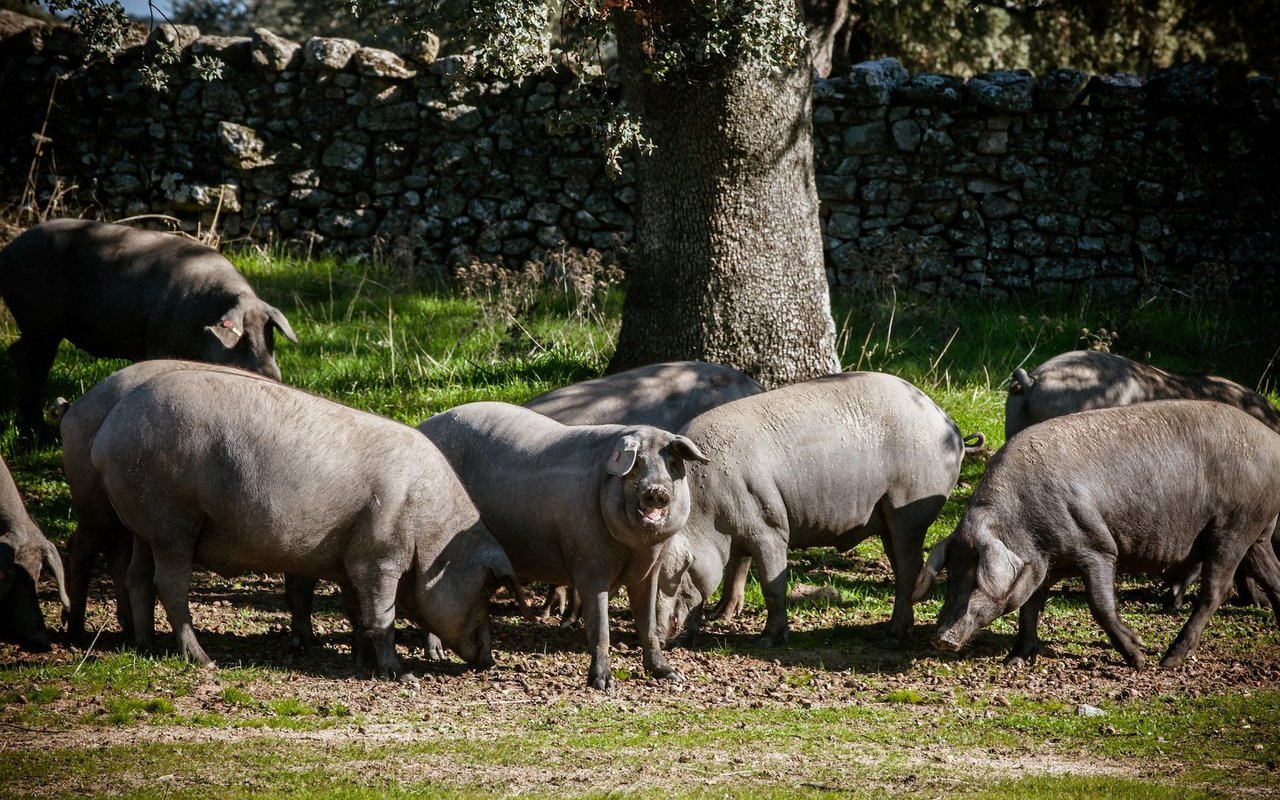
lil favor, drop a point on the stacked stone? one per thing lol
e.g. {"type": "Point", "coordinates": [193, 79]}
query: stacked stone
{"type": "Point", "coordinates": [326, 143]}
{"type": "Point", "coordinates": [999, 184]}
{"type": "Point", "coordinates": [1006, 183]}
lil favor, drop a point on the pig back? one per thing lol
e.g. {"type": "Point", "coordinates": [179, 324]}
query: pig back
{"type": "Point", "coordinates": [1142, 480]}
{"type": "Point", "coordinates": [826, 449]}
{"type": "Point", "coordinates": [531, 479]}
{"type": "Point", "coordinates": [665, 395]}
{"type": "Point", "coordinates": [280, 480]}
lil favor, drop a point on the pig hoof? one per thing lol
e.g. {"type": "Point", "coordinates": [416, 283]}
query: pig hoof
{"type": "Point", "coordinates": [1020, 661]}
{"type": "Point", "coordinates": [1139, 661]}
{"type": "Point", "coordinates": [1173, 661]}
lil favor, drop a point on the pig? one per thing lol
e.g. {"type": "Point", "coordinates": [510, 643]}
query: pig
{"type": "Point", "coordinates": [239, 473]}
{"type": "Point", "coordinates": [590, 506]}
{"type": "Point", "coordinates": [119, 292]}
{"type": "Point", "coordinates": [24, 550]}
{"type": "Point", "coordinates": [662, 395]}
{"type": "Point", "coordinates": [1085, 379]}
{"type": "Point", "coordinates": [98, 529]}
{"type": "Point", "coordinates": [826, 462]}
{"type": "Point", "coordinates": [665, 395]}
{"type": "Point", "coordinates": [1116, 491]}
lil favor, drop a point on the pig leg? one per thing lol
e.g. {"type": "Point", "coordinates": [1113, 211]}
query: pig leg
{"type": "Point", "coordinates": [81, 554]}
{"type": "Point", "coordinates": [119, 554]}
{"type": "Point", "coordinates": [733, 599]}
{"type": "Point", "coordinates": [771, 562]}
{"type": "Point", "coordinates": [299, 593]}
{"type": "Point", "coordinates": [362, 654]}
{"type": "Point", "coordinates": [1215, 582]}
{"type": "Point", "coordinates": [904, 546]}
{"type": "Point", "coordinates": [142, 595]}
{"type": "Point", "coordinates": [1261, 565]}
{"type": "Point", "coordinates": [174, 561]}
{"type": "Point", "coordinates": [643, 597]}
{"type": "Point", "coordinates": [595, 608]}
{"type": "Point", "coordinates": [32, 356]}
{"type": "Point", "coordinates": [1100, 590]}
{"type": "Point", "coordinates": [1027, 645]}
{"type": "Point", "coordinates": [375, 592]}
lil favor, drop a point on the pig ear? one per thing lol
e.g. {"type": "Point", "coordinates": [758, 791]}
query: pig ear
{"type": "Point", "coordinates": [624, 455]}
{"type": "Point", "coordinates": [509, 580]}
{"type": "Point", "coordinates": [929, 572]}
{"type": "Point", "coordinates": [227, 330]}
{"type": "Point", "coordinates": [53, 561]}
{"type": "Point", "coordinates": [280, 322]}
{"type": "Point", "coordinates": [676, 560]}
{"type": "Point", "coordinates": [998, 567]}
{"type": "Point", "coordinates": [687, 450]}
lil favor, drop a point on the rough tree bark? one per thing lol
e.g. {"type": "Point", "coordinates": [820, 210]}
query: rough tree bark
{"type": "Point", "coordinates": [728, 265]}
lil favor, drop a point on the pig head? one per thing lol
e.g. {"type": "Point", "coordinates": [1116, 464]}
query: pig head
{"type": "Point", "coordinates": [24, 552]}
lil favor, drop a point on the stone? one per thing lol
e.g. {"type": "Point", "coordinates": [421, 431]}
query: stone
{"type": "Point", "coordinates": [236, 52]}
{"type": "Point", "coordinates": [1061, 89]}
{"type": "Point", "coordinates": [242, 147]}
{"type": "Point", "coordinates": [907, 135]}
{"type": "Point", "coordinates": [344, 155]}
{"type": "Point", "coordinates": [1185, 86]}
{"type": "Point", "coordinates": [269, 51]}
{"type": "Point", "coordinates": [195, 197]}
{"type": "Point", "coordinates": [372, 62]}
{"type": "Point", "coordinates": [328, 53]}
{"type": "Point", "coordinates": [1010, 91]}
{"type": "Point", "coordinates": [347, 224]}
{"type": "Point", "coordinates": [397, 117]}
{"type": "Point", "coordinates": [1117, 91]}
{"type": "Point", "coordinates": [865, 139]}
{"type": "Point", "coordinates": [422, 49]}
{"type": "Point", "coordinates": [929, 89]}
{"type": "Point", "coordinates": [180, 37]}
{"type": "Point", "coordinates": [843, 226]}
{"type": "Point", "coordinates": [871, 83]}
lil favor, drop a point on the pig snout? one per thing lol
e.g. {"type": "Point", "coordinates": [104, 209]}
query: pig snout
{"type": "Point", "coordinates": [950, 639]}
{"type": "Point", "coordinates": [653, 505]}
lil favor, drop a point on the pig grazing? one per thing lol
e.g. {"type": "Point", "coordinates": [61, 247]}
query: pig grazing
{"type": "Point", "coordinates": [665, 396]}
{"type": "Point", "coordinates": [589, 506]}
{"type": "Point", "coordinates": [120, 292]}
{"type": "Point", "coordinates": [23, 551]}
{"type": "Point", "coordinates": [827, 462]}
{"type": "Point", "coordinates": [238, 473]}
{"type": "Point", "coordinates": [1084, 379]}
{"type": "Point", "coordinates": [1135, 489]}
{"type": "Point", "coordinates": [662, 395]}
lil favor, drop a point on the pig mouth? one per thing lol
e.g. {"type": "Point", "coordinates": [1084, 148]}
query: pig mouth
{"type": "Point", "coordinates": [652, 517]}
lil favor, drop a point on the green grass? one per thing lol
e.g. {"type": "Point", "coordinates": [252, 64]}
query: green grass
{"type": "Point", "coordinates": [406, 349]}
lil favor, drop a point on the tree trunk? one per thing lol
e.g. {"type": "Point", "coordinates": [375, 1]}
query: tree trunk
{"type": "Point", "coordinates": [728, 265]}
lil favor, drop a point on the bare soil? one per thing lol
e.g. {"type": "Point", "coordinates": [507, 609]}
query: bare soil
{"type": "Point", "coordinates": [833, 661]}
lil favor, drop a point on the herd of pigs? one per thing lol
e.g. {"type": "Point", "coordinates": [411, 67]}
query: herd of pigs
{"type": "Point", "coordinates": [665, 480]}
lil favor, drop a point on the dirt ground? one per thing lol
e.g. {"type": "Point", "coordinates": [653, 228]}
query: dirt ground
{"type": "Point", "coordinates": [833, 661]}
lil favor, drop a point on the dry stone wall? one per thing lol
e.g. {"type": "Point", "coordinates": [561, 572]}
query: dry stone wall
{"type": "Point", "coordinates": [1000, 184]}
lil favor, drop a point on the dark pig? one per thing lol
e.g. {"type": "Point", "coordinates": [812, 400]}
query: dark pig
{"type": "Point", "coordinates": [119, 292]}
{"type": "Point", "coordinates": [1084, 379]}
{"type": "Point", "coordinates": [1118, 491]}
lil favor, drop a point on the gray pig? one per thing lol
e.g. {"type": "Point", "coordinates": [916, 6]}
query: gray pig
{"type": "Point", "coordinates": [1129, 490]}
{"type": "Point", "coordinates": [239, 473]}
{"type": "Point", "coordinates": [1083, 379]}
{"type": "Point", "coordinates": [120, 292]}
{"type": "Point", "coordinates": [589, 506]}
{"type": "Point", "coordinates": [665, 396]}
{"type": "Point", "coordinates": [827, 462]}
{"type": "Point", "coordinates": [98, 529]}
{"type": "Point", "coordinates": [24, 550]}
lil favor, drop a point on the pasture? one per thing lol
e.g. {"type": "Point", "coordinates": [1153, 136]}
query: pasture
{"type": "Point", "coordinates": [828, 713]}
